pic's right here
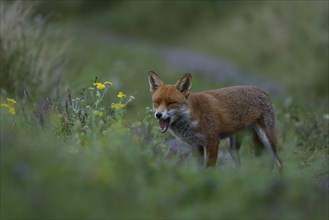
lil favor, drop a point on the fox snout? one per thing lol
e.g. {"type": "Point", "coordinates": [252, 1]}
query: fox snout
{"type": "Point", "coordinates": [164, 120]}
{"type": "Point", "coordinates": [158, 115]}
{"type": "Point", "coordinates": [161, 115]}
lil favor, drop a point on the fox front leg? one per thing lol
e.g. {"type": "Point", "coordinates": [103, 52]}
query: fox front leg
{"type": "Point", "coordinates": [199, 153]}
{"type": "Point", "coordinates": [212, 153]}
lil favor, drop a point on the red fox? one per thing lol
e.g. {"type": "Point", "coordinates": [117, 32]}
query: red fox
{"type": "Point", "coordinates": [201, 119]}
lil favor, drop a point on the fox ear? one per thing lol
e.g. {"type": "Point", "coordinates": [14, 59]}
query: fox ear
{"type": "Point", "coordinates": [154, 81]}
{"type": "Point", "coordinates": [184, 85]}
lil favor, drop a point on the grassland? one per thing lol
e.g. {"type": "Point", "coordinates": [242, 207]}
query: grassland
{"type": "Point", "coordinates": [73, 156]}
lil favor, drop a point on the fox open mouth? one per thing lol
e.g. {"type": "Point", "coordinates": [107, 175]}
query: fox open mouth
{"type": "Point", "coordinates": [164, 124]}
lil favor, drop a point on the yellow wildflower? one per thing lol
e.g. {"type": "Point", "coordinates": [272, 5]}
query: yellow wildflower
{"type": "Point", "coordinates": [12, 111]}
{"type": "Point", "coordinates": [121, 95]}
{"type": "Point", "coordinates": [99, 86]}
{"type": "Point", "coordinates": [108, 83]}
{"type": "Point", "coordinates": [138, 123]}
{"type": "Point", "coordinates": [12, 101]}
{"type": "Point", "coordinates": [117, 105]}
{"type": "Point", "coordinates": [100, 114]}
{"type": "Point", "coordinates": [10, 105]}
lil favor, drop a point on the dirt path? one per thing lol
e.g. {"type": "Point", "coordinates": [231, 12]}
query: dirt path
{"type": "Point", "coordinates": [187, 61]}
{"type": "Point", "coordinates": [215, 69]}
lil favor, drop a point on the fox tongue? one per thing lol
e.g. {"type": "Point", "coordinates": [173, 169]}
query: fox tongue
{"type": "Point", "coordinates": [164, 124]}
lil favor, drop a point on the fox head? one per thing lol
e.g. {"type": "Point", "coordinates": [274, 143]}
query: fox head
{"type": "Point", "coordinates": [169, 101]}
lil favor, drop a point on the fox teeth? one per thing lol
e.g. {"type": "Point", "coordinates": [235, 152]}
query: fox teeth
{"type": "Point", "coordinates": [164, 124]}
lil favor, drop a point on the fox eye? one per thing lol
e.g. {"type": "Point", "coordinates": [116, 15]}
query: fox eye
{"type": "Point", "coordinates": [172, 102]}
{"type": "Point", "coordinates": [156, 103]}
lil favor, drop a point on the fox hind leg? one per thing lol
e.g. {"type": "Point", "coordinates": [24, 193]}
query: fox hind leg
{"type": "Point", "coordinates": [234, 142]}
{"type": "Point", "coordinates": [258, 146]}
{"type": "Point", "coordinates": [267, 138]}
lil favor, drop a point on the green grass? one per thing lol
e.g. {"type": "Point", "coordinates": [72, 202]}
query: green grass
{"type": "Point", "coordinates": [126, 65]}
{"type": "Point", "coordinates": [281, 41]}
{"type": "Point", "coordinates": [117, 166]}
{"type": "Point", "coordinates": [116, 173]}
{"type": "Point", "coordinates": [28, 63]}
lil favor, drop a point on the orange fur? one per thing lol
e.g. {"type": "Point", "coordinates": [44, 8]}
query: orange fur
{"type": "Point", "coordinates": [202, 119]}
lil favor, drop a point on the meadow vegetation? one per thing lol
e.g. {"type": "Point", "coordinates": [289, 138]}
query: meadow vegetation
{"type": "Point", "coordinates": [27, 60]}
{"type": "Point", "coordinates": [80, 141]}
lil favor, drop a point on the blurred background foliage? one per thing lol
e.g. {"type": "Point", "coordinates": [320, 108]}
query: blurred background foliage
{"type": "Point", "coordinates": [270, 38]}
{"type": "Point", "coordinates": [53, 166]}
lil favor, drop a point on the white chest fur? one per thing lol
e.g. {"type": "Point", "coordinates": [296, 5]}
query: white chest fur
{"type": "Point", "coordinates": [186, 130]}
